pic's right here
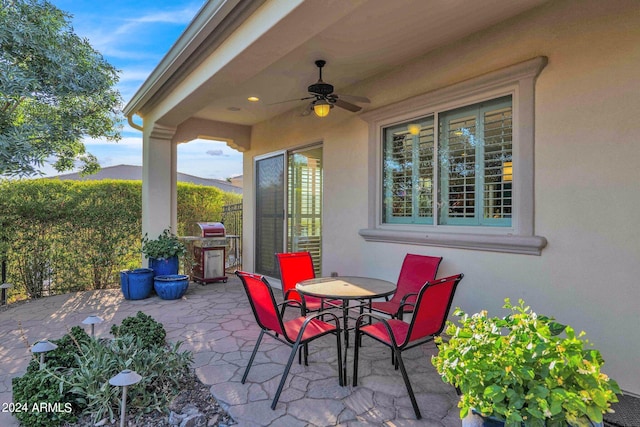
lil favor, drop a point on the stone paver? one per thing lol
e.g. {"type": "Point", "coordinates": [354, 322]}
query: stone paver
{"type": "Point", "coordinates": [215, 323]}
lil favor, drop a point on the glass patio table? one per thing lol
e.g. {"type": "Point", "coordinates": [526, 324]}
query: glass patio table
{"type": "Point", "coordinates": [346, 288]}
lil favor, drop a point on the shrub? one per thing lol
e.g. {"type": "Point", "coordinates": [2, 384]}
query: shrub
{"type": "Point", "coordinates": [38, 387]}
{"type": "Point", "coordinates": [75, 380]}
{"type": "Point", "coordinates": [144, 327]}
{"type": "Point", "coordinates": [61, 236]}
{"type": "Point", "coordinates": [524, 369]}
{"type": "Point", "coordinates": [163, 371]}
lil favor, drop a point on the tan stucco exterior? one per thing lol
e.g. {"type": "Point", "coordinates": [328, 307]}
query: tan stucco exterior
{"type": "Point", "coordinates": [586, 174]}
{"type": "Point", "coordinates": [586, 152]}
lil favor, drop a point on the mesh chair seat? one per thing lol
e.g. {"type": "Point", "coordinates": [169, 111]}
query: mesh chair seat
{"type": "Point", "coordinates": [313, 330]}
{"type": "Point", "coordinates": [379, 332]}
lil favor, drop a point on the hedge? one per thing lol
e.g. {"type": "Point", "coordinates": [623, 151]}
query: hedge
{"type": "Point", "coordinates": [60, 236]}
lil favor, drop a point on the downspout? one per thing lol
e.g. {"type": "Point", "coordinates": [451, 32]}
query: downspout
{"type": "Point", "coordinates": [134, 125]}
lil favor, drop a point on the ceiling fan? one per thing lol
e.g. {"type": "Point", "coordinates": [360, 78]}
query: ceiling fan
{"type": "Point", "coordinates": [323, 98]}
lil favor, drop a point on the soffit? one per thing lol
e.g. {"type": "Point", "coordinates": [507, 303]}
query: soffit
{"type": "Point", "coordinates": [358, 39]}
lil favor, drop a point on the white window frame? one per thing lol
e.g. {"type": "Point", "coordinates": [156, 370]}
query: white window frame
{"type": "Point", "coordinates": [518, 81]}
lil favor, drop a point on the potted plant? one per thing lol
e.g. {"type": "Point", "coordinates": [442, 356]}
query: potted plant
{"type": "Point", "coordinates": [523, 370]}
{"type": "Point", "coordinates": [163, 252]}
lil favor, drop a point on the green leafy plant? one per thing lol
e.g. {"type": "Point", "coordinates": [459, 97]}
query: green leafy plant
{"type": "Point", "coordinates": [525, 369]}
{"type": "Point", "coordinates": [167, 245]}
{"type": "Point", "coordinates": [40, 389]}
{"type": "Point", "coordinates": [150, 332]}
{"type": "Point", "coordinates": [163, 369]}
{"type": "Point", "coordinates": [75, 380]}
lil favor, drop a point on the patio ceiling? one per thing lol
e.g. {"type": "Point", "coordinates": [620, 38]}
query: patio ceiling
{"type": "Point", "coordinates": [358, 39]}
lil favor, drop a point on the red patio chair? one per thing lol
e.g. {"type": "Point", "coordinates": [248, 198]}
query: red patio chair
{"type": "Point", "coordinates": [296, 267]}
{"type": "Point", "coordinates": [415, 272]}
{"type": "Point", "coordinates": [294, 333]}
{"type": "Point", "coordinates": [430, 314]}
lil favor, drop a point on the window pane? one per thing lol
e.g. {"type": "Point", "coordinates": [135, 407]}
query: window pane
{"type": "Point", "coordinates": [304, 214]}
{"type": "Point", "coordinates": [476, 166]}
{"type": "Point", "coordinates": [408, 172]}
{"type": "Point", "coordinates": [498, 164]}
{"type": "Point", "coordinates": [457, 168]}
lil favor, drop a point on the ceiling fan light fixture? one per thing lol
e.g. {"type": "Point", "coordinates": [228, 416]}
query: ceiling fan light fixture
{"type": "Point", "coordinates": [321, 108]}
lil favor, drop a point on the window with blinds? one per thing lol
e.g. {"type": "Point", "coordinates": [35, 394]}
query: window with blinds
{"type": "Point", "coordinates": [473, 148]}
{"type": "Point", "coordinates": [408, 172]}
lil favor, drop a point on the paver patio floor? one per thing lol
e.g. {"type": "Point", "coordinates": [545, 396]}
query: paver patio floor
{"type": "Point", "coordinates": [215, 323]}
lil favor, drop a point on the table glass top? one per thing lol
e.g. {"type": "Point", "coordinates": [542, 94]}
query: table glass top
{"type": "Point", "coordinates": [346, 287]}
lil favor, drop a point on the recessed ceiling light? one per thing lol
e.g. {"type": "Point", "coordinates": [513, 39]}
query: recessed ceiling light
{"type": "Point", "coordinates": [233, 108]}
{"type": "Point", "coordinates": [253, 99]}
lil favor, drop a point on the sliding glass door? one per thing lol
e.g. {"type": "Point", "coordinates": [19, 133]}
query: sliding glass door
{"type": "Point", "coordinates": [304, 210]}
{"type": "Point", "coordinates": [288, 210]}
{"type": "Point", "coordinates": [269, 213]}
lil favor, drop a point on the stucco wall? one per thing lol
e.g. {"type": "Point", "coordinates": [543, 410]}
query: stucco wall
{"type": "Point", "coordinates": [587, 177]}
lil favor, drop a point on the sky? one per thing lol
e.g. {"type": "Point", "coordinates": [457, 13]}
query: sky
{"type": "Point", "coordinates": [134, 37]}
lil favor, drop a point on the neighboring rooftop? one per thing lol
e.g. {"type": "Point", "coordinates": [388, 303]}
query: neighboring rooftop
{"type": "Point", "coordinates": [131, 172]}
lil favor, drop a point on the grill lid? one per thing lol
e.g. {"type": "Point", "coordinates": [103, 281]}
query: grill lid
{"type": "Point", "coordinates": [211, 229]}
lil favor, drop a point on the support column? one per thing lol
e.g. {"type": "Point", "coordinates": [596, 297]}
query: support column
{"type": "Point", "coordinates": [159, 172]}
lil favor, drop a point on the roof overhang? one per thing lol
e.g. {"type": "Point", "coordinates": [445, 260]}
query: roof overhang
{"type": "Point", "coordinates": [234, 49]}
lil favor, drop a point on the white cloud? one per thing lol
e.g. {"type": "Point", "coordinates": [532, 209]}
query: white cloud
{"type": "Point", "coordinates": [125, 141]}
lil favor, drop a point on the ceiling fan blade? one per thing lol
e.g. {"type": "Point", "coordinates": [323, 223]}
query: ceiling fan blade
{"type": "Point", "coordinates": [353, 98]}
{"type": "Point", "coordinates": [347, 105]}
{"type": "Point", "coordinates": [291, 100]}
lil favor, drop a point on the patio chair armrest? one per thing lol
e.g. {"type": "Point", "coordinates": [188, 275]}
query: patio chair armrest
{"type": "Point", "coordinates": [370, 316]}
{"type": "Point", "coordinates": [308, 320]}
{"type": "Point", "coordinates": [403, 301]}
{"type": "Point", "coordinates": [400, 312]}
{"type": "Point", "coordinates": [290, 291]}
{"type": "Point", "coordinates": [380, 318]}
{"type": "Point", "coordinates": [289, 302]}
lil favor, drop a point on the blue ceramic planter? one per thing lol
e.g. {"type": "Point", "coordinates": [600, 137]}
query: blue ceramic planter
{"type": "Point", "coordinates": [136, 284]}
{"type": "Point", "coordinates": [164, 267]}
{"type": "Point", "coordinates": [473, 419]}
{"type": "Point", "coordinates": [172, 286]}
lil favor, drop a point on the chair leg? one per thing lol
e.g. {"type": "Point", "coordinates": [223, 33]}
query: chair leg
{"type": "Point", "coordinates": [341, 374]}
{"type": "Point", "coordinates": [284, 375]}
{"type": "Point", "coordinates": [253, 356]}
{"type": "Point", "coordinates": [358, 341]}
{"type": "Point", "coordinates": [405, 377]}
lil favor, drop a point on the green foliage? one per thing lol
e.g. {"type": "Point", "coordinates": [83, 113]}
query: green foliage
{"type": "Point", "coordinates": [165, 246]}
{"type": "Point", "coordinates": [77, 375]}
{"type": "Point", "coordinates": [55, 89]}
{"type": "Point", "coordinates": [163, 370]}
{"type": "Point", "coordinates": [40, 387]}
{"type": "Point", "coordinates": [60, 236]}
{"type": "Point", "coordinates": [522, 370]}
{"type": "Point", "coordinates": [199, 203]}
{"type": "Point", "coordinates": [65, 354]}
{"type": "Point", "coordinates": [150, 332]}
{"type": "Point", "coordinates": [69, 235]}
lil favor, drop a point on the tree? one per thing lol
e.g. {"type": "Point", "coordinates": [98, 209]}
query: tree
{"type": "Point", "coordinates": [55, 89]}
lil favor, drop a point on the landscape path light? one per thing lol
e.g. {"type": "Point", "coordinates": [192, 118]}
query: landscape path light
{"type": "Point", "coordinates": [124, 379]}
{"type": "Point", "coordinates": [42, 347]}
{"type": "Point", "coordinates": [93, 321]}
{"type": "Point", "coordinates": [4, 287]}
